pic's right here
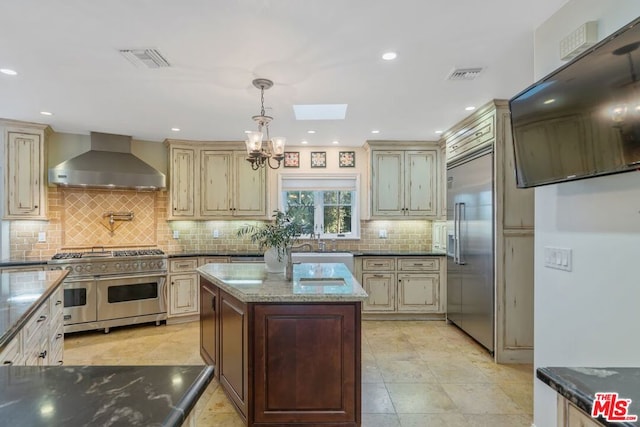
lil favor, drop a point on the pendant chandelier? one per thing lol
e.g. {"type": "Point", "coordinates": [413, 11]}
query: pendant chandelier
{"type": "Point", "coordinates": [258, 155]}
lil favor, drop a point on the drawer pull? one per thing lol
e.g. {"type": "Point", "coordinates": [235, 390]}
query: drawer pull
{"type": "Point", "coordinates": [480, 133]}
{"type": "Point", "coordinates": [417, 264]}
{"type": "Point", "coordinates": [379, 265]}
{"type": "Point", "coordinates": [42, 354]}
{"type": "Point", "coordinates": [377, 275]}
{"type": "Point", "coordinates": [58, 336]}
{"type": "Point", "coordinates": [41, 319]}
{"type": "Point", "coordinates": [67, 317]}
{"type": "Point", "coordinates": [8, 363]}
{"type": "Point", "coordinates": [58, 302]}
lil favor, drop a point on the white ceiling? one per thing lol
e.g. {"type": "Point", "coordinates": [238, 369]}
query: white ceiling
{"type": "Point", "coordinates": [316, 52]}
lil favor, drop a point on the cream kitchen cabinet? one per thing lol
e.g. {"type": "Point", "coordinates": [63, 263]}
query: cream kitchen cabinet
{"type": "Point", "coordinates": [405, 183]}
{"type": "Point", "coordinates": [439, 236]}
{"type": "Point", "coordinates": [402, 285]}
{"type": "Point", "coordinates": [569, 415]}
{"type": "Point", "coordinates": [210, 181]}
{"type": "Point", "coordinates": [184, 288]}
{"type": "Point", "coordinates": [24, 176]}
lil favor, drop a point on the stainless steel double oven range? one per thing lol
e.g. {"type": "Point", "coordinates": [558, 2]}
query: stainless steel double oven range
{"type": "Point", "coordinates": [112, 288]}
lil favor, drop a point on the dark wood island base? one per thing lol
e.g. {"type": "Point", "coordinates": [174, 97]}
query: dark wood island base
{"type": "Point", "coordinates": [284, 363]}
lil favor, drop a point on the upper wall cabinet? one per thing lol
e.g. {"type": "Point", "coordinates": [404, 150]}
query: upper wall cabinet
{"type": "Point", "coordinates": [24, 178]}
{"type": "Point", "coordinates": [213, 181]}
{"type": "Point", "coordinates": [405, 180]}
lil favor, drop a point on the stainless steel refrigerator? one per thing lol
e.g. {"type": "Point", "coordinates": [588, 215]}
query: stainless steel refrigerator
{"type": "Point", "coordinates": [470, 247]}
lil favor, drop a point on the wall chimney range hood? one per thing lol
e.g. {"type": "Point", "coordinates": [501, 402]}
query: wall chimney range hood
{"type": "Point", "coordinates": [108, 164]}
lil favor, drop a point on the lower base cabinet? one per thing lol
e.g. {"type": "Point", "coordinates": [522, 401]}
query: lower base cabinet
{"type": "Point", "coordinates": [285, 363]}
{"type": "Point", "coordinates": [570, 415]}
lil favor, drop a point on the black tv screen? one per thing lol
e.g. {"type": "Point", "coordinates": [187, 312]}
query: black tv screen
{"type": "Point", "coordinates": [582, 120]}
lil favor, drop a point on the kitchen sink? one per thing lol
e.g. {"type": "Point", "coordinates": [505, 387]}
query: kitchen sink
{"type": "Point", "coordinates": [345, 258]}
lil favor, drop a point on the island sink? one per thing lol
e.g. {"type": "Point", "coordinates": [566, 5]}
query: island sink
{"type": "Point", "coordinates": [345, 258]}
{"type": "Point", "coordinates": [321, 281]}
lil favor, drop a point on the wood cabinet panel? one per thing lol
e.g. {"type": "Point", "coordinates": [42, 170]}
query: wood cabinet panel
{"type": "Point", "coordinates": [249, 195]}
{"type": "Point", "coordinates": [405, 183]}
{"type": "Point", "coordinates": [184, 296]}
{"type": "Point", "coordinates": [381, 290]}
{"type": "Point", "coordinates": [418, 292]}
{"type": "Point", "coordinates": [25, 184]}
{"type": "Point", "coordinates": [182, 182]}
{"type": "Point", "coordinates": [215, 182]}
{"type": "Point", "coordinates": [294, 368]}
{"type": "Point", "coordinates": [209, 297]}
{"type": "Point", "coordinates": [234, 349]}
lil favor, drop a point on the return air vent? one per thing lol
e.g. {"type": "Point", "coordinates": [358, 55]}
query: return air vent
{"type": "Point", "coordinates": [464, 74]}
{"type": "Point", "coordinates": [145, 58]}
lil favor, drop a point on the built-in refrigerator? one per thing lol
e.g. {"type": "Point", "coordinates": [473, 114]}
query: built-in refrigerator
{"type": "Point", "coordinates": [470, 247]}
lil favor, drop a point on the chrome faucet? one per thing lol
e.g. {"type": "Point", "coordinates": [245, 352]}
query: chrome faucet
{"type": "Point", "coordinates": [306, 246]}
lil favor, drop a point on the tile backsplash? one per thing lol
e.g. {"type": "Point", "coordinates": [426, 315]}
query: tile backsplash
{"type": "Point", "coordinates": [76, 222]}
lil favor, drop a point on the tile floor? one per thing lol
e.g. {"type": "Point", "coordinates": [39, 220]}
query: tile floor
{"type": "Point", "coordinates": [414, 374]}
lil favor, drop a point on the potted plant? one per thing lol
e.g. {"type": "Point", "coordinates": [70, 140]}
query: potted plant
{"type": "Point", "coordinates": [276, 238]}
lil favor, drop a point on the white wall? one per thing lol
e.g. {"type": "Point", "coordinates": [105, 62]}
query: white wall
{"type": "Point", "coordinates": [586, 317]}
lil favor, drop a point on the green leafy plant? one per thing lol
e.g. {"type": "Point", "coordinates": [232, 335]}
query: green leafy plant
{"type": "Point", "coordinates": [281, 233]}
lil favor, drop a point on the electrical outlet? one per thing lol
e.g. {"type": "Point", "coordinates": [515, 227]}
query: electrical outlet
{"type": "Point", "coordinates": [42, 236]}
{"type": "Point", "coordinates": [176, 234]}
{"type": "Point", "coordinates": [216, 233]}
{"type": "Point", "coordinates": [558, 258]}
{"type": "Point", "coordinates": [382, 233]}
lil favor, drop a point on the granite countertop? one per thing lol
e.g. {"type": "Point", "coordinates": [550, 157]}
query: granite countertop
{"type": "Point", "coordinates": [22, 262]}
{"type": "Point", "coordinates": [579, 385]}
{"type": "Point", "coordinates": [252, 283]}
{"type": "Point", "coordinates": [21, 294]}
{"type": "Point", "coordinates": [100, 395]}
{"type": "Point", "coordinates": [214, 253]}
{"type": "Point", "coordinates": [397, 253]}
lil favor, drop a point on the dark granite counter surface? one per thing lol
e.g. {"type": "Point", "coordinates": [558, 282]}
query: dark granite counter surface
{"type": "Point", "coordinates": [4, 263]}
{"type": "Point", "coordinates": [213, 253]}
{"type": "Point", "coordinates": [21, 294]}
{"type": "Point", "coordinates": [397, 253]}
{"type": "Point", "coordinates": [100, 395]}
{"type": "Point", "coordinates": [579, 385]}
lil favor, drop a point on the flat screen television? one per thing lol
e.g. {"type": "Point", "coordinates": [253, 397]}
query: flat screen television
{"type": "Point", "coordinates": [582, 120]}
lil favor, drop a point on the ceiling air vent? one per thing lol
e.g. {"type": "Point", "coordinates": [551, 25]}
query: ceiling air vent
{"type": "Point", "coordinates": [147, 58]}
{"type": "Point", "coordinates": [464, 74]}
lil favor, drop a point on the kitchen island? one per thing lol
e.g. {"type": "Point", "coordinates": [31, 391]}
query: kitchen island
{"type": "Point", "coordinates": [285, 352]}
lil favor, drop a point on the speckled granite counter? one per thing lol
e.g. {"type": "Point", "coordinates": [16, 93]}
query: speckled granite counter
{"type": "Point", "coordinates": [252, 283]}
{"type": "Point", "coordinates": [579, 385]}
{"type": "Point", "coordinates": [100, 395]}
{"type": "Point", "coordinates": [397, 253]}
{"type": "Point", "coordinates": [21, 294]}
{"type": "Point", "coordinates": [213, 254]}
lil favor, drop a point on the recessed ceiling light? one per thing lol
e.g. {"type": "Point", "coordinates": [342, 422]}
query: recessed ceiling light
{"type": "Point", "coordinates": [470, 108]}
{"type": "Point", "coordinates": [46, 113]}
{"type": "Point", "coordinates": [175, 129]}
{"type": "Point", "coordinates": [304, 142]}
{"type": "Point", "coordinates": [550, 101]}
{"type": "Point", "coordinates": [375, 131]}
{"type": "Point", "coordinates": [311, 131]}
{"type": "Point", "coordinates": [389, 56]}
{"type": "Point", "coordinates": [439, 132]}
{"type": "Point", "coordinates": [8, 71]}
{"type": "Point", "coordinates": [336, 142]}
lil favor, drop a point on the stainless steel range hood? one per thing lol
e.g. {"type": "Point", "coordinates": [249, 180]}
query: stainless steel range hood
{"type": "Point", "coordinates": [109, 164]}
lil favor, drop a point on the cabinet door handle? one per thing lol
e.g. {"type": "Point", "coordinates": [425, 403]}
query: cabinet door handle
{"type": "Point", "coordinates": [58, 336]}
{"type": "Point", "coordinates": [7, 363]}
{"type": "Point", "coordinates": [43, 354]}
{"type": "Point", "coordinates": [41, 319]}
{"type": "Point", "coordinates": [58, 302]}
{"type": "Point", "coordinates": [213, 303]}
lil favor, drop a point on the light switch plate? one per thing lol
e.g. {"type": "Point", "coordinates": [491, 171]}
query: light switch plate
{"type": "Point", "coordinates": [176, 234]}
{"type": "Point", "coordinates": [216, 233]}
{"type": "Point", "coordinates": [42, 236]}
{"type": "Point", "coordinates": [558, 258]}
{"type": "Point", "coordinates": [382, 234]}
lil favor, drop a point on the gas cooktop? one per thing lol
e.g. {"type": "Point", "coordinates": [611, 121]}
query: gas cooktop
{"type": "Point", "coordinates": [103, 254]}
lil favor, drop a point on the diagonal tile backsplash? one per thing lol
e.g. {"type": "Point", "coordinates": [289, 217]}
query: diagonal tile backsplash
{"type": "Point", "coordinates": [85, 221]}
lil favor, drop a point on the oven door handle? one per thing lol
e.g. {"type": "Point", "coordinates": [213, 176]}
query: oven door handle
{"type": "Point", "coordinates": [130, 276]}
{"type": "Point", "coordinates": [79, 280]}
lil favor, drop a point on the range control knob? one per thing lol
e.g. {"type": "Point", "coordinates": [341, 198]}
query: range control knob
{"type": "Point", "coordinates": [68, 267]}
{"type": "Point", "coordinates": [135, 265]}
{"type": "Point", "coordinates": [78, 268]}
{"type": "Point", "coordinates": [88, 268]}
{"type": "Point", "coordinates": [118, 266]}
{"type": "Point", "coordinates": [103, 267]}
{"type": "Point", "coordinates": [143, 264]}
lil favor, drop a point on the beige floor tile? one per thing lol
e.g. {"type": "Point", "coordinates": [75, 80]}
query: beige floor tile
{"type": "Point", "coordinates": [498, 421]}
{"type": "Point", "coordinates": [521, 393]}
{"type": "Point", "coordinates": [456, 372]}
{"type": "Point", "coordinates": [420, 399]}
{"type": "Point", "coordinates": [503, 372]}
{"type": "Point", "coordinates": [380, 420]}
{"type": "Point", "coordinates": [406, 371]}
{"type": "Point", "coordinates": [480, 398]}
{"type": "Point", "coordinates": [370, 371]}
{"type": "Point", "coordinates": [376, 400]}
{"type": "Point", "coordinates": [432, 420]}
{"type": "Point", "coordinates": [219, 420]}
